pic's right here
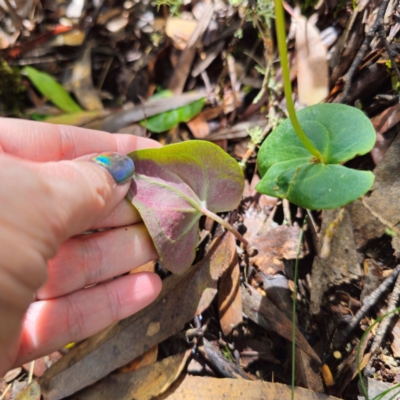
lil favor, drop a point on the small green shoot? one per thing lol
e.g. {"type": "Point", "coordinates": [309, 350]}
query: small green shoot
{"type": "Point", "coordinates": [170, 119]}
{"type": "Point", "coordinates": [52, 90]}
{"type": "Point", "coordinates": [305, 168]}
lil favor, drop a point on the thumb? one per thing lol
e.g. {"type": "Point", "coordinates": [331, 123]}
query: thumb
{"type": "Point", "coordinates": [85, 192]}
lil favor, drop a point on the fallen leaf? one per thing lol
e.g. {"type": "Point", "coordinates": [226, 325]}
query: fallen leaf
{"type": "Point", "coordinates": [383, 124]}
{"type": "Point", "coordinates": [307, 370]}
{"type": "Point", "coordinates": [312, 63]}
{"type": "Point", "coordinates": [192, 387]}
{"type": "Point", "coordinates": [376, 387]}
{"type": "Point", "coordinates": [180, 30]}
{"type": "Point", "coordinates": [252, 350]}
{"type": "Point", "coordinates": [264, 313]}
{"type": "Point", "coordinates": [82, 83]}
{"type": "Point", "coordinates": [174, 186]}
{"type": "Point", "coordinates": [341, 266]}
{"type": "Point", "coordinates": [365, 225]}
{"type": "Point", "coordinates": [395, 346]}
{"type": "Point", "coordinates": [274, 246]}
{"type": "Point", "coordinates": [229, 294]}
{"type": "Point", "coordinates": [142, 384]}
{"type": "Point", "coordinates": [199, 126]}
{"type": "Point", "coordinates": [382, 201]}
{"type": "Point", "coordinates": [12, 374]}
{"type": "Point", "coordinates": [144, 360]}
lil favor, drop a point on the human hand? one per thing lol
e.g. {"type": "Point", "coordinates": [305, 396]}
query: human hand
{"type": "Point", "coordinates": [49, 194]}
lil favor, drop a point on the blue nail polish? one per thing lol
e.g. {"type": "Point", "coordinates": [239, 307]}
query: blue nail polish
{"type": "Point", "coordinates": [120, 167]}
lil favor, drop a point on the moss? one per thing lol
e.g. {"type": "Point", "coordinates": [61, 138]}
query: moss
{"type": "Point", "coordinates": [11, 89]}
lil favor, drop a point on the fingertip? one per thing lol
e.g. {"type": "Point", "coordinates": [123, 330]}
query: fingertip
{"type": "Point", "coordinates": [148, 284]}
{"type": "Point", "coordinates": [119, 166]}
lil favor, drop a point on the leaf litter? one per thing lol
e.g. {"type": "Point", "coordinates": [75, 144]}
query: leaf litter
{"type": "Point", "coordinates": [231, 311]}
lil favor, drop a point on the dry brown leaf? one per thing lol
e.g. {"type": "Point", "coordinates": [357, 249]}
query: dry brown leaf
{"type": "Point", "coordinates": [264, 313]}
{"type": "Point", "coordinates": [180, 30]}
{"type": "Point", "coordinates": [148, 267]}
{"type": "Point", "coordinates": [141, 384]}
{"type": "Point", "coordinates": [200, 388]}
{"type": "Point", "coordinates": [82, 83]}
{"type": "Point", "coordinates": [144, 360]}
{"type": "Point", "coordinates": [307, 370]}
{"type": "Point", "coordinates": [383, 201]}
{"type": "Point", "coordinates": [199, 126]}
{"type": "Point", "coordinates": [275, 245]}
{"type": "Point", "coordinates": [384, 124]}
{"type": "Point", "coordinates": [75, 37]}
{"type": "Point", "coordinates": [365, 225]}
{"type": "Point", "coordinates": [229, 295]}
{"type": "Point", "coordinates": [312, 64]}
{"type": "Point", "coordinates": [182, 297]}
{"type": "Point", "coordinates": [342, 265]}
{"type": "Point", "coordinates": [395, 346]}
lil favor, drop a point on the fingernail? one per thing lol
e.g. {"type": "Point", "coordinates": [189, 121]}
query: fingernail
{"type": "Point", "coordinates": [120, 167]}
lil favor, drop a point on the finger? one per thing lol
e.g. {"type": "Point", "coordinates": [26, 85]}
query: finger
{"type": "Point", "coordinates": [124, 215]}
{"type": "Point", "coordinates": [39, 141]}
{"type": "Point", "coordinates": [51, 324]}
{"type": "Point", "coordinates": [83, 193]}
{"type": "Point", "coordinates": [90, 259]}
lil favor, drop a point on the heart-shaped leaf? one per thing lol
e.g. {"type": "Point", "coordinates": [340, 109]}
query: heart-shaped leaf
{"type": "Point", "coordinates": [289, 171]}
{"type": "Point", "coordinates": [174, 186]}
{"type": "Point", "coordinates": [169, 119]}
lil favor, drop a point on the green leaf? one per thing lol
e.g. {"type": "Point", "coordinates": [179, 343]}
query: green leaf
{"type": "Point", "coordinates": [168, 120]}
{"type": "Point", "coordinates": [52, 90]}
{"type": "Point", "coordinates": [289, 171]}
{"type": "Point", "coordinates": [173, 186]}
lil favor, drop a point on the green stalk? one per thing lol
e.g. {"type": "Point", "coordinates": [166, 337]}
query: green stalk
{"type": "Point", "coordinates": [226, 225]}
{"type": "Point", "coordinates": [281, 36]}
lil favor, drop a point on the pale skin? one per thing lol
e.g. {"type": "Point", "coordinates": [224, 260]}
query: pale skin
{"type": "Point", "coordinates": [49, 194]}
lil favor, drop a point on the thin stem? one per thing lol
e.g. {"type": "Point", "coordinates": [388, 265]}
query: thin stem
{"type": "Point", "coordinates": [281, 36]}
{"type": "Point", "coordinates": [226, 225]}
{"type": "Point", "coordinates": [296, 272]}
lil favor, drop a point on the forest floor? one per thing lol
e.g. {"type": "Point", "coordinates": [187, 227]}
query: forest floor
{"type": "Point", "coordinates": [112, 56]}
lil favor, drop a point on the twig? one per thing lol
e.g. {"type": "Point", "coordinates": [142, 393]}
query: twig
{"type": "Point", "coordinates": [382, 220]}
{"type": "Point", "coordinates": [329, 233]}
{"type": "Point", "coordinates": [5, 391]}
{"type": "Point", "coordinates": [369, 301]}
{"type": "Point", "coordinates": [31, 367]}
{"type": "Point", "coordinates": [383, 326]}
{"type": "Point", "coordinates": [362, 51]}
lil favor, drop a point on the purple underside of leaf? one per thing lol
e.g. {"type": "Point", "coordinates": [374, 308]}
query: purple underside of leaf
{"type": "Point", "coordinates": [161, 199]}
{"type": "Point", "coordinates": [170, 191]}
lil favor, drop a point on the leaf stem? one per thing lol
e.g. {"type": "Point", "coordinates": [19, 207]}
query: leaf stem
{"type": "Point", "coordinates": [281, 36]}
{"type": "Point", "coordinates": [226, 225]}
